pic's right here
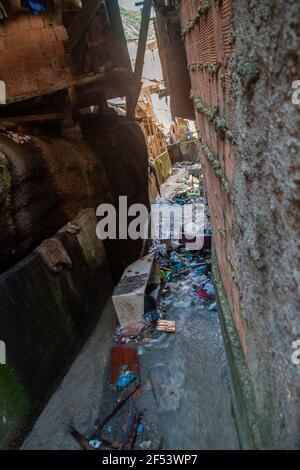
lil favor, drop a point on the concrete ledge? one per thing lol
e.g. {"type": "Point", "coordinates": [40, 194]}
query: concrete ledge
{"type": "Point", "coordinates": [49, 302]}
{"type": "Point", "coordinates": [243, 399]}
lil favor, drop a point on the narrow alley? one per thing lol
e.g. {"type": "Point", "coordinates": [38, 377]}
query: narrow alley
{"type": "Point", "coordinates": [188, 405]}
{"type": "Point", "coordinates": [149, 215]}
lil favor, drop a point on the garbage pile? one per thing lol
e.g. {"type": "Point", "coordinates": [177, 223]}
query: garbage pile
{"type": "Point", "coordinates": [187, 279]}
{"type": "Point", "coordinates": [184, 278]}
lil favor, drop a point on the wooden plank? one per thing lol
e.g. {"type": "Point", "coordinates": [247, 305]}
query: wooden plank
{"type": "Point", "coordinates": [118, 76]}
{"type": "Point", "coordinates": [139, 65]}
{"type": "Point", "coordinates": [124, 356]}
{"type": "Point", "coordinates": [79, 52]}
{"type": "Point", "coordinates": [33, 118]}
{"type": "Point", "coordinates": [167, 326]}
{"type": "Point", "coordinates": [80, 23]}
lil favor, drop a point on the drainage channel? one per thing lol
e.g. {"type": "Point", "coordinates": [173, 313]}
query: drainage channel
{"type": "Point", "coordinates": [171, 381]}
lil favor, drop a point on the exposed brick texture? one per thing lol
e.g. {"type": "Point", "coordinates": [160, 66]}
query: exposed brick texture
{"type": "Point", "coordinates": [209, 48]}
{"type": "Point", "coordinates": [243, 58]}
{"type": "Point", "coordinates": [33, 57]}
{"type": "Point", "coordinates": [27, 49]}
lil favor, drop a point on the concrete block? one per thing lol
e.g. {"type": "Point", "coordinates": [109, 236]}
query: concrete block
{"type": "Point", "coordinates": [128, 297]}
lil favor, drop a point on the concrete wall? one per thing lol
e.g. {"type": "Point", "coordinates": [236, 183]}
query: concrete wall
{"type": "Point", "coordinates": [121, 148]}
{"type": "Point", "coordinates": [52, 290]}
{"type": "Point", "coordinates": [243, 57]}
{"type": "Point", "coordinates": [173, 57]}
{"type": "Point", "coordinates": [190, 151]}
{"type": "Point", "coordinates": [267, 208]}
{"type": "Point", "coordinates": [44, 183]}
{"type": "Point", "coordinates": [49, 301]}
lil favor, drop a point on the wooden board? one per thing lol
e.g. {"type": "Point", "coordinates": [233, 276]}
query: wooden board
{"type": "Point", "coordinates": [123, 355]}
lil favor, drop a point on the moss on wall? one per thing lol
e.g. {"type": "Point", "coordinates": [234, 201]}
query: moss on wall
{"type": "Point", "coordinates": [14, 403]}
{"type": "Point", "coordinates": [45, 316]}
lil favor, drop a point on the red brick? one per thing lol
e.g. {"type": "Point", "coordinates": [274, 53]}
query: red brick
{"type": "Point", "coordinates": [59, 49]}
{"type": "Point", "coordinates": [11, 41]}
{"type": "Point", "coordinates": [35, 67]}
{"type": "Point", "coordinates": [37, 21]}
{"type": "Point", "coordinates": [48, 49]}
{"type": "Point", "coordinates": [48, 34]}
{"type": "Point", "coordinates": [3, 70]}
{"type": "Point", "coordinates": [61, 33]}
{"type": "Point", "coordinates": [24, 86]}
{"type": "Point", "coordinates": [33, 52]}
{"type": "Point", "coordinates": [13, 56]}
{"type": "Point", "coordinates": [36, 35]}
{"type": "Point", "coordinates": [9, 26]}
{"type": "Point", "coordinates": [17, 73]}
{"type": "Point", "coordinates": [22, 22]}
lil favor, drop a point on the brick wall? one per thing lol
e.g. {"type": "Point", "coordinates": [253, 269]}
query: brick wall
{"type": "Point", "coordinates": [32, 55]}
{"type": "Point", "coordinates": [243, 58]}
{"type": "Point", "coordinates": [207, 35]}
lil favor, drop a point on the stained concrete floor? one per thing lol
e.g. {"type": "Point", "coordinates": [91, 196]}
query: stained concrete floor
{"type": "Point", "coordinates": [189, 406]}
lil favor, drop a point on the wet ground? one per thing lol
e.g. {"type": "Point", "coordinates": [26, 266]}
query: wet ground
{"type": "Point", "coordinates": [188, 405]}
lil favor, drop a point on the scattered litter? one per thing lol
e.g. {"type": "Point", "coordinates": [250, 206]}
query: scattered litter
{"type": "Point", "coordinates": [125, 378]}
{"type": "Point", "coordinates": [203, 295]}
{"type": "Point", "coordinates": [115, 410]}
{"type": "Point", "coordinates": [132, 434]}
{"type": "Point", "coordinates": [140, 428]}
{"type": "Point", "coordinates": [133, 333]}
{"type": "Point", "coordinates": [82, 441]}
{"type": "Point", "coordinates": [159, 250]}
{"type": "Point", "coordinates": [95, 443]}
{"type": "Point", "coordinates": [209, 289]}
{"type": "Point", "coordinates": [153, 289]}
{"type": "Point", "coordinates": [146, 445]}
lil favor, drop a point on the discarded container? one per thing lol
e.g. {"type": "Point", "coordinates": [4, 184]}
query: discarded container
{"type": "Point", "coordinates": [209, 289]}
{"type": "Point", "coordinates": [125, 378]}
{"type": "Point", "coordinates": [131, 438]}
{"type": "Point", "coordinates": [133, 331]}
{"type": "Point", "coordinates": [95, 443]}
{"type": "Point", "coordinates": [203, 295]}
{"type": "Point", "coordinates": [213, 307]}
{"type": "Point", "coordinates": [140, 429]}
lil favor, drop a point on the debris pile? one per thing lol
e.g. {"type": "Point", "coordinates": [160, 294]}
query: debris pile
{"type": "Point", "coordinates": [170, 279]}
{"type": "Point", "coordinates": [187, 277]}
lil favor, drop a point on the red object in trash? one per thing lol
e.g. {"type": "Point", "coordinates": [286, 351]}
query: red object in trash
{"type": "Point", "coordinates": [121, 356]}
{"type": "Point", "coordinates": [203, 295]}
